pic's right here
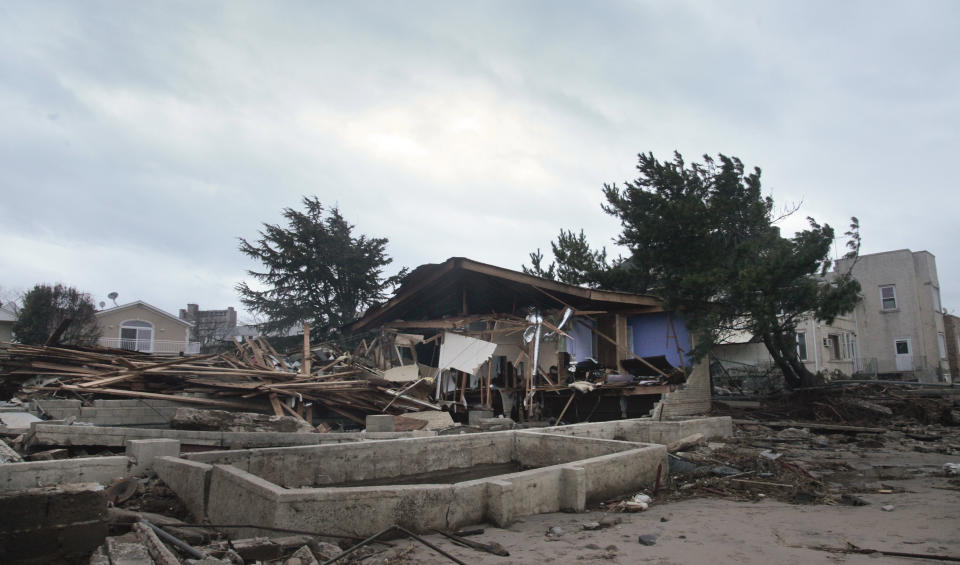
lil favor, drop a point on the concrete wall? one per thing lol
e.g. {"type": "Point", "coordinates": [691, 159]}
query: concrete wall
{"type": "Point", "coordinates": [646, 430]}
{"type": "Point", "coordinates": [311, 465]}
{"type": "Point", "coordinates": [131, 412]}
{"type": "Point", "coordinates": [58, 434]}
{"type": "Point", "coordinates": [691, 398]}
{"type": "Point", "coordinates": [189, 479]}
{"type": "Point", "coordinates": [31, 474]}
{"type": "Point", "coordinates": [544, 449]}
{"type": "Point", "coordinates": [139, 458]}
{"type": "Point", "coordinates": [236, 495]}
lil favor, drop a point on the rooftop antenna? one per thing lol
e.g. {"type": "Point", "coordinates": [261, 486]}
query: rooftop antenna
{"type": "Point", "coordinates": [113, 296]}
{"type": "Point", "coordinates": [102, 304]}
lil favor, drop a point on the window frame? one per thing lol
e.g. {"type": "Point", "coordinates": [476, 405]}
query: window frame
{"type": "Point", "coordinates": [802, 341]}
{"type": "Point", "coordinates": [893, 290]}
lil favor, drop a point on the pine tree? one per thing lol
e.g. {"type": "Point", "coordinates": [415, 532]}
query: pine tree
{"type": "Point", "coordinates": [45, 307]}
{"type": "Point", "coordinates": [315, 270]}
{"type": "Point", "coordinates": [703, 238]}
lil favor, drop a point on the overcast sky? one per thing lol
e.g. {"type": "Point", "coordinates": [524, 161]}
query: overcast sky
{"type": "Point", "coordinates": [139, 140]}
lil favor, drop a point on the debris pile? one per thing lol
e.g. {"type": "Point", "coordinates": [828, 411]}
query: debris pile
{"type": "Point", "coordinates": [863, 403]}
{"type": "Point", "coordinates": [255, 378]}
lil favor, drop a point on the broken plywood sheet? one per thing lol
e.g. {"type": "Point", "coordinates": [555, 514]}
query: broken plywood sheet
{"type": "Point", "coordinates": [436, 420]}
{"type": "Point", "coordinates": [402, 374]}
{"type": "Point", "coordinates": [464, 353]}
{"type": "Point", "coordinates": [407, 340]}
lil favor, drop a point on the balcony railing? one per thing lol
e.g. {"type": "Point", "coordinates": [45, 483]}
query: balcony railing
{"type": "Point", "coordinates": [155, 346]}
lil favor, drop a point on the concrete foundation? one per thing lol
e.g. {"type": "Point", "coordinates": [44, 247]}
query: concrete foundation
{"type": "Point", "coordinates": [48, 433]}
{"type": "Point", "coordinates": [283, 487]}
{"type": "Point", "coordinates": [138, 460]}
{"type": "Point", "coordinates": [645, 430]}
{"type": "Point", "coordinates": [32, 474]}
{"type": "Point", "coordinates": [128, 412]}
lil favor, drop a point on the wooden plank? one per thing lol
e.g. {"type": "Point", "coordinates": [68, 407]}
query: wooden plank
{"type": "Point", "coordinates": [275, 403]}
{"type": "Point", "coordinates": [567, 405]}
{"type": "Point", "coordinates": [255, 351]}
{"type": "Point", "coordinates": [265, 345]}
{"type": "Point", "coordinates": [158, 396]}
{"type": "Point", "coordinates": [135, 373]}
{"type": "Point", "coordinates": [292, 412]}
{"type": "Point", "coordinates": [343, 413]}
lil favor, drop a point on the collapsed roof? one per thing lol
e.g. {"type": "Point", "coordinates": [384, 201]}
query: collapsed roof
{"type": "Point", "coordinates": [461, 286]}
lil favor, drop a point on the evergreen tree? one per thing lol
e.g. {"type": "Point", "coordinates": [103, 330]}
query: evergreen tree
{"type": "Point", "coordinates": [315, 270]}
{"type": "Point", "coordinates": [45, 307]}
{"type": "Point", "coordinates": [703, 238]}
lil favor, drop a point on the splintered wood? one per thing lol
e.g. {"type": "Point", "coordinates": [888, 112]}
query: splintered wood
{"type": "Point", "coordinates": [253, 378]}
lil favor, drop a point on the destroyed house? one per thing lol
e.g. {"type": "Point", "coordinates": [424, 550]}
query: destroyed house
{"type": "Point", "coordinates": [472, 331]}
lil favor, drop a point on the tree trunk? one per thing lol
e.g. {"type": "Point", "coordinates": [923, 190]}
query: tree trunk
{"type": "Point", "coordinates": [795, 373]}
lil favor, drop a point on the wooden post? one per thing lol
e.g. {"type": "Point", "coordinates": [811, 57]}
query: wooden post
{"type": "Point", "coordinates": [620, 333]}
{"type": "Point", "coordinates": [305, 368]}
{"type": "Point", "coordinates": [489, 403]}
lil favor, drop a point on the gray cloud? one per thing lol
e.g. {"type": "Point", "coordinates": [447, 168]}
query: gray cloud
{"type": "Point", "coordinates": [140, 140]}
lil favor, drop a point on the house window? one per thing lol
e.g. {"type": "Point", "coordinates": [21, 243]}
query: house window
{"type": "Point", "coordinates": [802, 346]}
{"type": "Point", "coordinates": [136, 335]}
{"type": "Point", "coordinates": [833, 340]}
{"type": "Point", "coordinates": [848, 347]}
{"type": "Point", "coordinates": [936, 298]}
{"type": "Point", "coordinates": [888, 297]}
{"type": "Point", "coordinates": [942, 342]}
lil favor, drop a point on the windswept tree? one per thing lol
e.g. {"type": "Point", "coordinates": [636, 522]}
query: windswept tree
{"type": "Point", "coordinates": [45, 307]}
{"type": "Point", "coordinates": [704, 238]}
{"type": "Point", "coordinates": [315, 270]}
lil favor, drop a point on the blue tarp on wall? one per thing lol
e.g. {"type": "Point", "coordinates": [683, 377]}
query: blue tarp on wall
{"type": "Point", "coordinates": [581, 346]}
{"type": "Point", "coordinates": [650, 336]}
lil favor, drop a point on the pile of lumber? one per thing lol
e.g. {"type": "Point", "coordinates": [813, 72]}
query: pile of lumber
{"type": "Point", "coordinates": [254, 378]}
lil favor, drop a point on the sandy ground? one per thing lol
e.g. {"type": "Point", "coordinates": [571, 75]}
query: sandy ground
{"type": "Point", "coordinates": [708, 530]}
{"type": "Point", "coordinates": [925, 519]}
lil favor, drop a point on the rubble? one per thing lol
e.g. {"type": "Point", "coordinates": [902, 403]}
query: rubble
{"type": "Point", "coordinates": [223, 421]}
{"type": "Point", "coordinates": [254, 379]}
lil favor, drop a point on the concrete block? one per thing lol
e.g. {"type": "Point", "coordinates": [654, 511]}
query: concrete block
{"type": "Point", "coordinates": [53, 524]}
{"type": "Point", "coordinates": [499, 510]}
{"type": "Point", "coordinates": [573, 489]}
{"type": "Point", "coordinates": [380, 423]}
{"type": "Point", "coordinates": [142, 452]}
